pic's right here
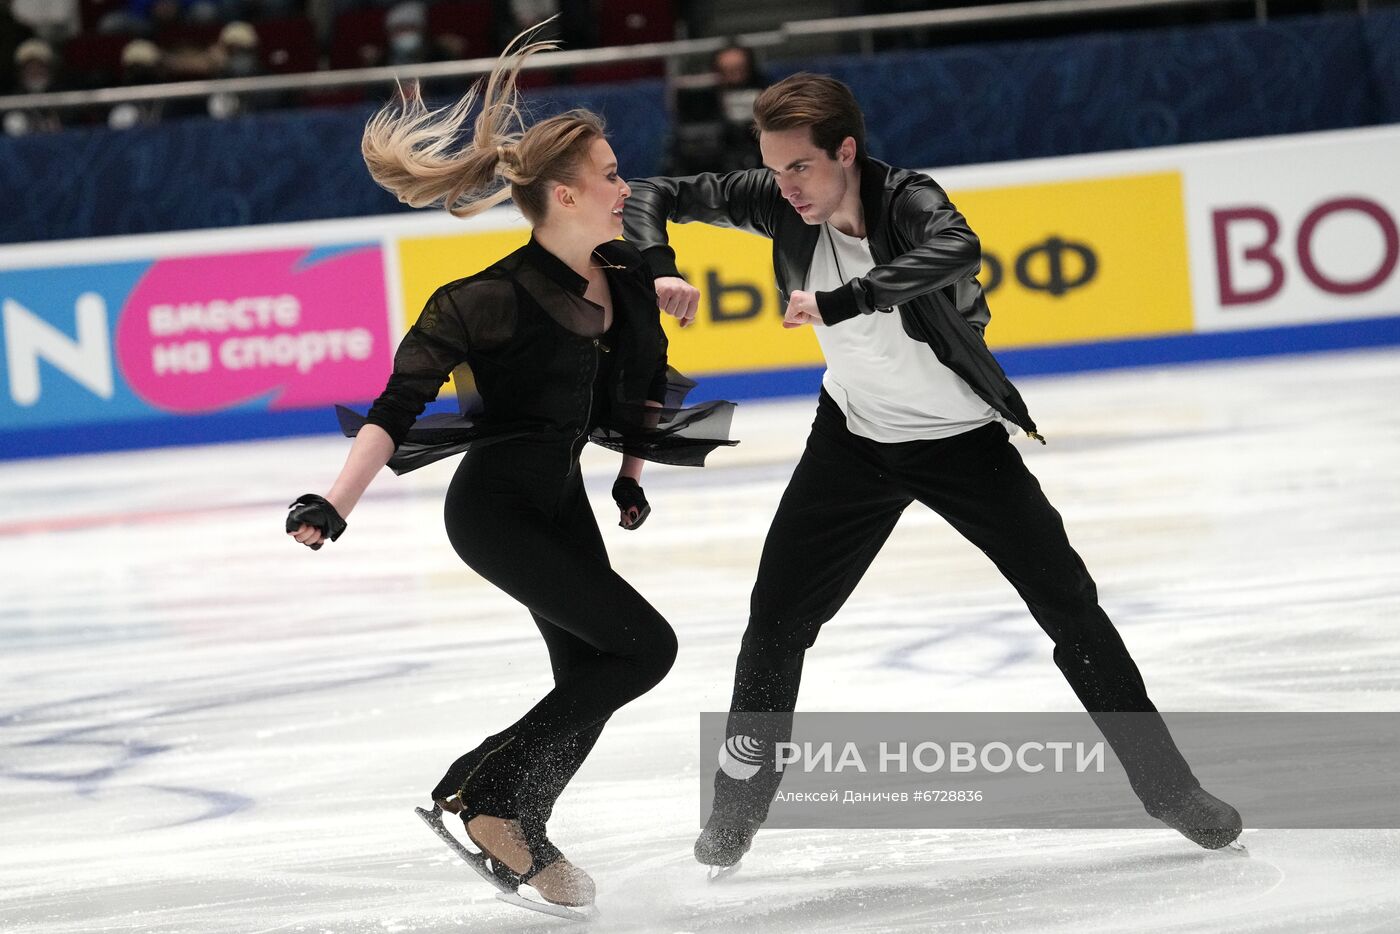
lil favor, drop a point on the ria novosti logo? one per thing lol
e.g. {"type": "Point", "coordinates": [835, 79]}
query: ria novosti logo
{"type": "Point", "coordinates": [741, 757]}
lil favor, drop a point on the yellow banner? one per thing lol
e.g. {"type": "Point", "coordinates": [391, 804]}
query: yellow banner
{"type": "Point", "coordinates": [1081, 261]}
{"type": "Point", "coordinates": [1063, 263]}
{"type": "Point", "coordinates": [739, 326]}
{"type": "Point", "coordinates": [426, 263]}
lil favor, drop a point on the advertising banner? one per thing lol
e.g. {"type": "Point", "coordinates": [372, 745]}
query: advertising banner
{"type": "Point", "coordinates": [739, 325]}
{"type": "Point", "coordinates": [1061, 263]}
{"type": "Point", "coordinates": [1115, 259]}
{"type": "Point", "coordinates": [1308, 236]}
{"type": "Point", "coordinates": [1083, 260]}
{"type": "Point", "coordinates": [133, 340]}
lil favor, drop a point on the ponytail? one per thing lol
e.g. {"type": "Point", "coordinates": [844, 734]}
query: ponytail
{"type": "Point", "coordinates": [413, 152]}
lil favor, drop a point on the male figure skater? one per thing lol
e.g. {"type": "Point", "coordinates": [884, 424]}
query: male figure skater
{"type": "Point", "coordinates": [913, 407]}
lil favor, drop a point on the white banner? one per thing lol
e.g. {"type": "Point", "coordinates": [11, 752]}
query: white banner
{"type": "Point", "coordinates": [1295, 231]}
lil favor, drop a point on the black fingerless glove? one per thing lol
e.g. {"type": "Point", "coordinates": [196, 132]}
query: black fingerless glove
{"type": "Point", "coordinates": [627, 493]}
{"type": "Point", "coordinates": [313, 510]}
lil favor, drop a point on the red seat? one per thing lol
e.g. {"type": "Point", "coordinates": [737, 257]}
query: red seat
{"type": "Point", "coordinates": [92, 11]}
{"type": "Point", "coordinates": [628, 22]}
{"type": "Point", "coordinates": [353, 30]}
{"type": "Point", "coordinates": [287, 45]}
{"type": "Point", "coordinates": [188, 35]}
{"type": "Point", "coordinates": [469, 19]}
{"type": "Point", "coordinates": [94, 60]}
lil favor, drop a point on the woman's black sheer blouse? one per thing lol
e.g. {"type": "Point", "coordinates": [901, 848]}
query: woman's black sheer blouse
{"type": "Point", "coordinates": [530, 358]}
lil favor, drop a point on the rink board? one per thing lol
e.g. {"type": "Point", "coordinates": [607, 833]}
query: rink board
{"type": "Point", "coordinates": [1093, 262]}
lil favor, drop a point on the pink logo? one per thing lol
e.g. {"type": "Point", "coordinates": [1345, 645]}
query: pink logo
{"type": "Point", "coordinates": [203, 333]}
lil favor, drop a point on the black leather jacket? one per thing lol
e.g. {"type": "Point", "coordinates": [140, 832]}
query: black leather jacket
{"type": "Point", "coordinates": [926, 257]}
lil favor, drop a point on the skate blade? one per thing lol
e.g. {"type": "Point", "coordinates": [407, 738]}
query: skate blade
{"type": "Point", "coordinates": [1235, 849]}
{"type": "Point", "coordinates": [476, 861]}
{"type": "Point", "coordinates": [718, 873]}
{"type": "Point", "coordinates": [587, 913]}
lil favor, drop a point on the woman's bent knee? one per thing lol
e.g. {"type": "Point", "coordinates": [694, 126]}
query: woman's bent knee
{"type": "Point", "coordinates": [660, 654]}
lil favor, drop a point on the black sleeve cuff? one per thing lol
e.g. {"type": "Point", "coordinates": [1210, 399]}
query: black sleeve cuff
{"type": "Point", "coordinates": [661, 261]}
{"type": "Point", "coordinates": [838, 305]}
{"type": "Point", "coordinates": [395, 428]}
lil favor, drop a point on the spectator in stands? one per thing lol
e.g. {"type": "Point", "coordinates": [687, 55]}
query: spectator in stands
{"type": "Point", "coordinates": [12, 34]}
{"type": "Point", "coordinates": [236, 54]}
{"type": "Point", "coordinates": [575, 28]}
{"type": "Point", "coordinates": [406, 27]}
{"type": "Point", "coordinates": [141, 65]}
{"type": "Point", "coordinates": [51, 20]}
{"type": "Point", "coordinates": [144, 17]}
{"type": "Point", "coordinates": [34, 60]}
{"type": "Point", "coordinates": [406, 32]}
{"type": "Point", "coordinates": [368, 55]}
{"type": "Point", "coordinates": [713, 122]}
{"type": "Point", "coordinates": [739, 82]}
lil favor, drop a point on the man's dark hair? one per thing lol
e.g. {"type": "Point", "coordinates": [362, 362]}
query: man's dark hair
{"type": "Point", "coordinates": [820, 102]}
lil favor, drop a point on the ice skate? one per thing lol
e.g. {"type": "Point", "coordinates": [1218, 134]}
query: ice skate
{"type": "Point", "coordinates": [1202, 818]}
{"type": "Point", "coordinates": [504, 860]}
{"type": "Point", "coordinates": [723, 842]}
{"type": "Point", "coordinates": [494, 875]}
{"type": "Point", "coordinates": [558, 881]}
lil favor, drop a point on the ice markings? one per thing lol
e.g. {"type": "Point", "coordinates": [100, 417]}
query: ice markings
{"type": "Point", "coordinates": [92, 744]}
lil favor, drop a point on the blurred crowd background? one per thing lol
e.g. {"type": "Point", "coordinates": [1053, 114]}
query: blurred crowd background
{"type": "Point", "coordinates": [64, 45]}
{"type": "Point", "coordinates": [98, 141]}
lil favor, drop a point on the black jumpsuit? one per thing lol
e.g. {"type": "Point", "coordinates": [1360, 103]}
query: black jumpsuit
{"type": "Point", "coordinates": [548, 379]}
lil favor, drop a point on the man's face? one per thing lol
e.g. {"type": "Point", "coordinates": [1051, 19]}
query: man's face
{"type": "Point", "coordinates": [812, 182]}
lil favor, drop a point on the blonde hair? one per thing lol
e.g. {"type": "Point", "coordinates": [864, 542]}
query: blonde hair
{"type": "Point", "coordinates": [413, 152]}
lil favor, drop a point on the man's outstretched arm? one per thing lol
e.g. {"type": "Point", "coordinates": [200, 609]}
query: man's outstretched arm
{"type": "Point", "coordinates": [747, 200]}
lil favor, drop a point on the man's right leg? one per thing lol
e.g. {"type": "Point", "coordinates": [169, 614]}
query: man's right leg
{"type": "Point", "coordinates": [837, 512]}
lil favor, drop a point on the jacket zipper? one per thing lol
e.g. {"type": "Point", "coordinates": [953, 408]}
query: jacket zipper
{"type": "Point", "coordinates": [597, 346]}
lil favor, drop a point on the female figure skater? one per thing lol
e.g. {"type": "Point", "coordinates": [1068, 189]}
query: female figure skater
{"type": "Point", "coordinates": [563, 340]}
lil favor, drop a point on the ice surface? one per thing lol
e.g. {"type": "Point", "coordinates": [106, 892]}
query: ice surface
{"type": "Point", "coordinates": [205, 728]}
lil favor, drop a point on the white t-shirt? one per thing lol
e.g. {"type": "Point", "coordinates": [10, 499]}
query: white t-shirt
{"type": "Point", "coordinates": [890, 386]}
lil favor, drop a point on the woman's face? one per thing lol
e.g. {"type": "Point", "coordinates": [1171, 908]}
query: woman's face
{"type": "Point", "coordinates": [598, 194]}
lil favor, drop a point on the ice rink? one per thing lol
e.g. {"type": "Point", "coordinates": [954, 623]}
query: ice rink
{"type": "Point", "coordinates": [206, 728]}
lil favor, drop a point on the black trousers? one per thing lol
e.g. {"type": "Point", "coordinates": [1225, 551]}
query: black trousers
{"type": "Point", "coordinates": [840, 506]}
{"type": "Point", "coordinates": [517, 513]}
